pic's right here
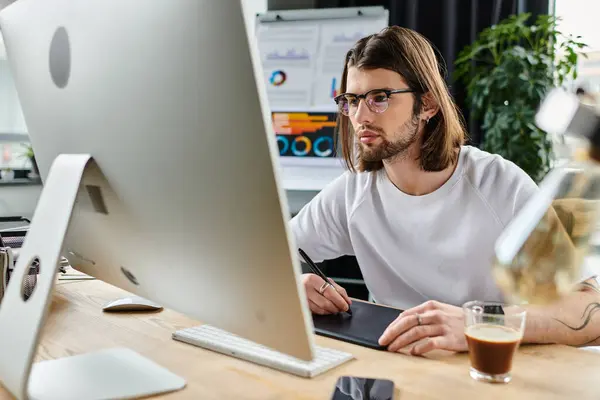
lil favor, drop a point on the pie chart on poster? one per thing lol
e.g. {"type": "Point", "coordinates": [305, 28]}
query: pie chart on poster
{"type": "Point", "coordinates": [283, 144]}
{"type": "Point", "coordinates": [277, 78]}
{"type": "Point", "coordinates": [301, 146]}
{"type": "Point", "coordinates": [323, 146]}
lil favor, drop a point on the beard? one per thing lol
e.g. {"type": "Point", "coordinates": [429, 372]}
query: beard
{"type": "Point", "coordinates": [371, 156]}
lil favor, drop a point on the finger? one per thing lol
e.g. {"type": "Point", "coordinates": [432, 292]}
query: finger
{"type": "Point", "coordinates": [324, 303]}
{"type": "Point", "coordinates": [415, 334]}
{"type": "Point", "coordinates": [398, 327]}
{"type": "Point", "coordinates": [336, 298]}
{"type": "Point", "coordinates": [404, 323]}
{"type": "Point", "coordinates": [341, 291]}
{"type": "Point", "coordinates": [429, 344]}
{"type": "Point", "coordinates": [316, 309]}
{"type": "Point", "coordinates": [422, 308]}
{"type": "Point", "coordinates": [329, 300]}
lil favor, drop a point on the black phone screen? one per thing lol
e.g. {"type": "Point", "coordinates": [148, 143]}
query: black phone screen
{"type": "Point", "coordinates": [355, 388]}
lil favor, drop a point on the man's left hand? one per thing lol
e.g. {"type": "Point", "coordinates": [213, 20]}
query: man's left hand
{"type": "Point", "coordinates": [441, 326]}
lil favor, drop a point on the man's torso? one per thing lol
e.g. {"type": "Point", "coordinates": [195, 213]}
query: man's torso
{"type": "Point", "coordinates": [412, 249]}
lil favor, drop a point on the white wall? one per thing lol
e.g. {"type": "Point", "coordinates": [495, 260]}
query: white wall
{"type": "Point", "coordinates": [13, 130]}
{"type": "Point", "coordinates": [19, 200]}
{"type": "Point", "coordinates": [580, 17]}
{"type": "Point", "coordinates": [11, 114]}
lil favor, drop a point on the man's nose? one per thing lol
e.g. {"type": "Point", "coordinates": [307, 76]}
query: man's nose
{"type": "Point", "coordinates": [363, 114]}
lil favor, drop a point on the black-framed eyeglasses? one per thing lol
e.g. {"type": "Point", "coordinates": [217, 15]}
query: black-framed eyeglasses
{"type": "Point", "coordinates": [377, 100]}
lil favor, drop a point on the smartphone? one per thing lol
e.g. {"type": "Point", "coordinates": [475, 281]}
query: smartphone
{"type": "Point", "coordinates": [357, 388]}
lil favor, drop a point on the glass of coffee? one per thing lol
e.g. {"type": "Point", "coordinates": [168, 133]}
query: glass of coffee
{"type": "Point", "coordinates": [494, 332]}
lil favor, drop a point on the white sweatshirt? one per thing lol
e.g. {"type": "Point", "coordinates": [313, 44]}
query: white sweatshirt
{"type": "Point", "coordinates": [417, 248]}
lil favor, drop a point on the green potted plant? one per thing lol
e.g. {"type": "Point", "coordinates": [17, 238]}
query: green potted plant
{"type": "Point", "coordinates": [7, 174]}
{"type": "Point", "coordinates": [507, 71]}
{"type": "Point", "coordinates": [28, 153]}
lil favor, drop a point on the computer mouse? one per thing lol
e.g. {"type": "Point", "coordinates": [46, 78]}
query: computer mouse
{"type": "Point", "coordinates": [133, 303]}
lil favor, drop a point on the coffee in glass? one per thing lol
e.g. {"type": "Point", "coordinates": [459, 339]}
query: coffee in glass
{"type": "Point", "coordinates": [493, 332]}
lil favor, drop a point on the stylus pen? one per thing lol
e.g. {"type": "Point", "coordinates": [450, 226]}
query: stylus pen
{"type": "Point", "coordinates": [317, 271]}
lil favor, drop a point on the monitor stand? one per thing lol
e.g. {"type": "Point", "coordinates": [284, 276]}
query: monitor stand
{"type": "Point", "coordinates": [107, 374]}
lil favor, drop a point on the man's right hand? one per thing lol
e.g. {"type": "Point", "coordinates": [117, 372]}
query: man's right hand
{"type": "Point", "coordinates": [333, 300]}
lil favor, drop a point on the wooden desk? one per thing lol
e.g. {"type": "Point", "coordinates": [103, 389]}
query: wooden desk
{"type": "Point", "coordinates": [76, 324]}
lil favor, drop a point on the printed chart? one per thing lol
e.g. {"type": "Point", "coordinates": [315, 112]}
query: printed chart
{"type": "Point", "coordinates": [305, 134]}
{"type": "Point", "coordinates": [302, 54]}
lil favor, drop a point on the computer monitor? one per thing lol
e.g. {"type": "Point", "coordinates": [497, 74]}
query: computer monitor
{"type": "Point", "coordinates": [185, 206]}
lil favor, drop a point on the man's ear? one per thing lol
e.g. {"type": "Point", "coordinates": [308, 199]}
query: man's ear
{"type": "Point", "coordinates": [429, 107]}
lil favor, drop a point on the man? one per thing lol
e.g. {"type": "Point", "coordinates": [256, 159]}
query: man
{"type": "Point", "coordinates": [420, 210]}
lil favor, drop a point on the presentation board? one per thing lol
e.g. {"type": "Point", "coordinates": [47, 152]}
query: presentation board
{"type": "Point", "coordinates": [302, 54]}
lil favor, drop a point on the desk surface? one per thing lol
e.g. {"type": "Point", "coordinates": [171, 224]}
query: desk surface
{"type": "Point", "coordinates": [76, 324]}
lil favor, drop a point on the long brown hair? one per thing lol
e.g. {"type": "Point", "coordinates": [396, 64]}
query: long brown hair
{"type": "Point", "coordinates": [412, 56]}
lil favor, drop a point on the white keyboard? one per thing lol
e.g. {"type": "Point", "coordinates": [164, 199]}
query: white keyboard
{"type": "Point", "coordinates": [212, 338]}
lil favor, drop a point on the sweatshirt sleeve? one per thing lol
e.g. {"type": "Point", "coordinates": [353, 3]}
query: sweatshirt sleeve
{"type": "Point", "coordinates": [321, 226]}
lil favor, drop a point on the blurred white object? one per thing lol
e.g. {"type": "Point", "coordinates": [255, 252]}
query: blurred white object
{"type": "Point", "coordinates": [557, 111]}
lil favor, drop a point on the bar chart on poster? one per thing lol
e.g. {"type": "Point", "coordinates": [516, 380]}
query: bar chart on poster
{"type": "Point", "coordinates": [302, 54]}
